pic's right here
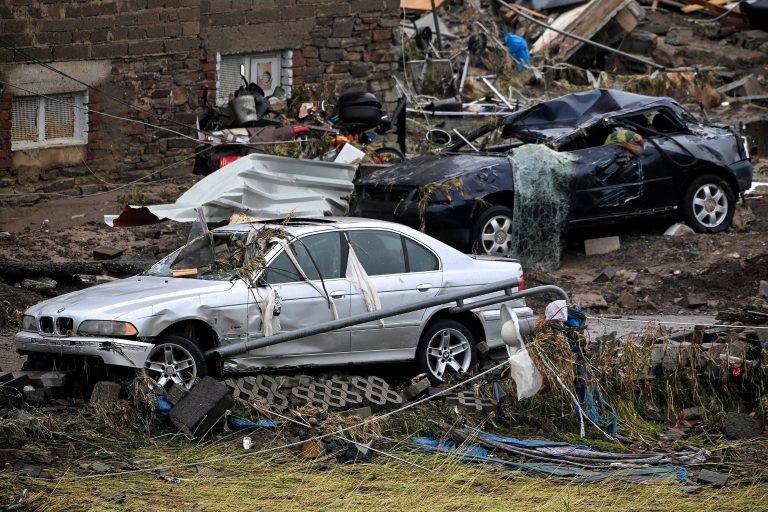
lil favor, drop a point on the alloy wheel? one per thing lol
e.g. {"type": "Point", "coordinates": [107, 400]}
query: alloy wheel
{"type": "Point", "coordinates": [496, 236]}
{"type": "Point", "coordinates": [710, 205]}
{"type": "Point", "coordinates": [168, 362]}
{"type": "Point", "coordinates": [448, 349]}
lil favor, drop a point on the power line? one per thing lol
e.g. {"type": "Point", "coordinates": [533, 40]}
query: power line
{"type": "Point", "coordinates": [85, 84]}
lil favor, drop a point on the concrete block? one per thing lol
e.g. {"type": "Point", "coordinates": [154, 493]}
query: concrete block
{"type": "Point", "coordinates": [482, 349]}
{"type": "Point", "coordinates": [202, 407]}
{"type": "Point", "coordinates": [105, 392]}
{"type": "Point", "coordinates": [713, 478]}
{"type": "Point", "coordinates": [590, 300]}
{"type": "Point", "coordinates": [679, 229]}
{"type": "Point", "coordinates": [11, 387]}
{"type": "Point", "coordinates": [106, 253]}
{"type": "Point", "coordinates": [45, 379]}
{"type": "Point", "coordinates": [693, 300]}
{"type": "Point", "coordinates": [593, 246]}
{"type": "Point", "coordinates": [416, 389]}
{"type": "Point", "coordinates": [605, 275]}
{"type": "Point", "coordinates": [175, 393]}
{"type": "Point", "coordinates": [626, 300]}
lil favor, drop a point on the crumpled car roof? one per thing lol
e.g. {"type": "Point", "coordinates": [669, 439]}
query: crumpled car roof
{"type": "Point", "coordinates": [560, 117]}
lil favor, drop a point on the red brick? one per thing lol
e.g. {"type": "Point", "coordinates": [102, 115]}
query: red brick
{"type": "Point", "coordinates": [5, 115]}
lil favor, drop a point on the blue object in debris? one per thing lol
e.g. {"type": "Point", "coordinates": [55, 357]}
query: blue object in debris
{"type": "Point", "coordinates": [576, 316]}
{"type": "Point", "coordinates": [518, 48]}
{"type": "Point", "coordinates": [162, 408]}
{"type": "Point", "coordinates": [241, 423]}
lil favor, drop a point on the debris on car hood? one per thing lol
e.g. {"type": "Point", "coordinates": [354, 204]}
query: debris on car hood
{"type": "Point", "coordinates": [260, 186]}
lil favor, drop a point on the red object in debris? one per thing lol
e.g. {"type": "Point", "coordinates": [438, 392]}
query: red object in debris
{"type": "Point", "coordinates": [735, 370]}
{"type": "Point", "coordinates": [297, 130]}
{"type": "Point", "coordinates": [226, 160]}
{"type": "Point", "coordinates": [521, 286]}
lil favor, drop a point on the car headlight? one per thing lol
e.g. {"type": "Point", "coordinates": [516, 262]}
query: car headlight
{"type": "Point", "coordinates": [107, 328]}
{"type": "Point", "coordinates": [29, 323]}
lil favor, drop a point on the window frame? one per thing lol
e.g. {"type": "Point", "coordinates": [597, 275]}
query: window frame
{"type": "Point", "coordinates": [250, 61]}
{"type": "Point", "coordinates": [344, 255]}
{"type": "Point", "coordinates": [80, 121]}
{"type": "Point", "coordinates": [404, 248]}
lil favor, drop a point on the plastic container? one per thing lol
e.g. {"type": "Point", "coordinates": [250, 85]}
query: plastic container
{"type": "Point", "coordinates": [360, 108]}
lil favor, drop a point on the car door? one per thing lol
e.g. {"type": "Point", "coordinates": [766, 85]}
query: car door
{"type": "Point", "coordinates": [608, 182]}
{"type": "Point", "coordinates": [323, 259]}
{"type": "Point", "coordinates": [402, 271]}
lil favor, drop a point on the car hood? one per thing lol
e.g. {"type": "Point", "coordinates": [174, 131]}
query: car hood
{"type": "Point", "coordinates": [429, 169]}
{"type": "Point", "coordinates": [137, 296]}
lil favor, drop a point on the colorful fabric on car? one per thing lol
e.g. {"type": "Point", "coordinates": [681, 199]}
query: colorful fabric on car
{"type": "Point", "coordinates": [627, 139]}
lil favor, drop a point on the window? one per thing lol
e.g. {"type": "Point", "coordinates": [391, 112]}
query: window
{"type": "Point", "coordinates": [325, 260]}
{"type": "Point", "coordinates": [56, 119]}
{"type": "Point", "coordinates": [379, 252]}
{"type": "Point", "coordinates": [420, 259]}
{"type": "Point", "coordinates": [267, 70]}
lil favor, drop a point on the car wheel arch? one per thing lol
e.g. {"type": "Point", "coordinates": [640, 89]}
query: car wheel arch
{"type": "Point", "coordinates": [467, 319]}
{"type": "Point", "coordinates": [196, 330]}
{"type": "Point", "coordinates": [720, 172]}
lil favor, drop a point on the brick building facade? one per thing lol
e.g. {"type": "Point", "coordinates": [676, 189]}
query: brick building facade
{"type": "Point", "coordinates": [157, 56]}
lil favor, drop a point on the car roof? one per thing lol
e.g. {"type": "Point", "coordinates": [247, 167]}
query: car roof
{"type": "Point", "coordinates": [300, 226]}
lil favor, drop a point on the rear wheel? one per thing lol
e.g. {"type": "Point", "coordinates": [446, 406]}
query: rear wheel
{"type": "Point", "coordinates": [446, 347]}
{"type": "Point", "coordinates": [493, 231]}
{"type": "Point", "coordinates": [709, 204]}
{"type": "Point", "coordinates": [175, 359]}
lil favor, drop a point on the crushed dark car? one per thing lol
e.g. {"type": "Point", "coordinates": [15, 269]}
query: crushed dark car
{"type": "Point", "coordinates": [583, 159]}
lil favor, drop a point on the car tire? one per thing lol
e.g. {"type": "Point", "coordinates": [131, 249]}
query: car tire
{"type": "Point", "coordinates": [709, 204]}
{"type": "Point", "coordinates": [175, 359]}
{"type": "Point", "coordinates": [445, 347]}
{"type": "Point", "coordinates": [492, 231]}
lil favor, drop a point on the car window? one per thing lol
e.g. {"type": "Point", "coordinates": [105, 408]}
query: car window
{"type": "Point", "coordinates": [659, 121]}
{"type": "Point", "coordinates": [318, 255]}
{"type": "Point", "coordinates": [380, 252]}
{"type": "Point", "coordinates": [420, 259]}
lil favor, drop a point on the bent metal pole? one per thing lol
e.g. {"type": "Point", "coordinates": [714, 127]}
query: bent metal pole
{"type": "Point", "coordinates": [457, 297]}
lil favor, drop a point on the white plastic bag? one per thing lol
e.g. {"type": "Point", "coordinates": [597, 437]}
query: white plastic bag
{"type": "Point", "coordinates": [525, 374]}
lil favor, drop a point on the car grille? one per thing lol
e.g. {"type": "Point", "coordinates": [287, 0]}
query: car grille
{"type": "Point", "coordinates": [62, 325]}
{"type": "Point", "coordinates": [46, 324]}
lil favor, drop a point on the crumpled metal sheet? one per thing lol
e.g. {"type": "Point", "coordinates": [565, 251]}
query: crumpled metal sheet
{"type": "Point", "coordinates": [262, 187]}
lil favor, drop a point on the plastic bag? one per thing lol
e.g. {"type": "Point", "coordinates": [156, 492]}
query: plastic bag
{"type": "Point", "coordinates": [525, 374]}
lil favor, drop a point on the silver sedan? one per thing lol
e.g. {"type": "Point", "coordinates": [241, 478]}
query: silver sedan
{"type": "Point", "coordinates": [246, 281]}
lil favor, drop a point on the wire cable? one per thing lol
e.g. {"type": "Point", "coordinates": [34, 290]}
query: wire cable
{"type": "Point", "coordinates": [89, 86]}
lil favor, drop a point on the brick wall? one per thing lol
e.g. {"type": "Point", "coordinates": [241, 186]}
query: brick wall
{"type": "Point", "coordinates": [159, 55]}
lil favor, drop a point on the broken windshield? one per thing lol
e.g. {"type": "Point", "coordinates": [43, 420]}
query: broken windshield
{"type": "Point", "coordinates": [212, 256]}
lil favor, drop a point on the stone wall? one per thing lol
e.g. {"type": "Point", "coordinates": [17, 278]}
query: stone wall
{"type": "Point", "coordinates": [149, 61]}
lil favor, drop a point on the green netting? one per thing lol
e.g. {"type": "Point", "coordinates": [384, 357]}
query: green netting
{"type": "Point", "coordinates": [543, 184]}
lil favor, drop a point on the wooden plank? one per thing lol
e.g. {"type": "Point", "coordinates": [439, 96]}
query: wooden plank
{"type": "Point", "coordinates": [595, 16]}
{"type": "Point", "coordinates": [419, 5]}
{"type": "Point", "coordinates": [716, 10]}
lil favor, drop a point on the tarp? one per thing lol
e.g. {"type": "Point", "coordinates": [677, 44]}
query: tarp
{"type": "Point", "coordinates": [260, 186]}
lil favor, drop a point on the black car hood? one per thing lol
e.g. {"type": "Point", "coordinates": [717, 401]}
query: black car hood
{"type": "Point", "coordinates": [565, 116]}
{"type": "Point", "coordinates": [429, 169]}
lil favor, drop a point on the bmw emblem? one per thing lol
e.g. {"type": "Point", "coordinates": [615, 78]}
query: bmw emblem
{"type": "Point", "coordinates": [62, 308]}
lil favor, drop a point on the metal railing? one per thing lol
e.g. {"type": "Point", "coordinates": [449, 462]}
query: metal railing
{"type": "Point", "coordinates": [507, 286]}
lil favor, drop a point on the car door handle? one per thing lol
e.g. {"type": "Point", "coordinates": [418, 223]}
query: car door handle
{"type": "Point", "coordinates": [424, 287]}
{"type": "Point", "coordinates": [338, 294]}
